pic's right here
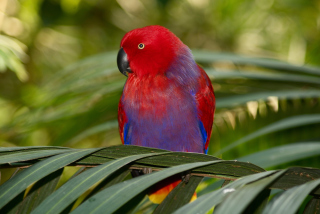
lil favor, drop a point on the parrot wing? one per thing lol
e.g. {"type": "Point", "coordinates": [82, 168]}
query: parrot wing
{"type": "Point", "coordinates": [122, 119]}
{"type": "Point", "coordinates": [206, 105]}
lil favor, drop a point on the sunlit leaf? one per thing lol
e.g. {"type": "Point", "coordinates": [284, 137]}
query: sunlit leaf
{"type": "Point", "coordinates": [283, 154]}
{"type": "Point", "coordinates": [206, 56]}
{"type": "Point", "coordinates": [237, 100]}
{"type": "Point", "coordinates": [262, 76]}
{"type": "Point", "coordinates": [300, 120]}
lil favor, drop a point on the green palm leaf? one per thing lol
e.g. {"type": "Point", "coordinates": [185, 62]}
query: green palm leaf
{"type": "Point", "coordinates": [112, 198]}
{"type": "Point", "coordinates": [287, 123]}
{"type": "Point", "coordinates": [75, 187]}
{"type": "Point", "coordinates": [20, 182]}
{"type": "Point", "coordinates": [290, 201]}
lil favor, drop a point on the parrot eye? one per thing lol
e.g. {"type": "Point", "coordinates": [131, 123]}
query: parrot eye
{"type": "Point", "coordinates": [141, 46]}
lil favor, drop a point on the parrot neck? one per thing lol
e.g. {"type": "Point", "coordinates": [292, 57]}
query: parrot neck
{"type": "Point", "coordinates": [184, 70]}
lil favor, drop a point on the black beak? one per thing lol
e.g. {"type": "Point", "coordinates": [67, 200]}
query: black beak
{"type": "Point", "coordinates": [123, 63]}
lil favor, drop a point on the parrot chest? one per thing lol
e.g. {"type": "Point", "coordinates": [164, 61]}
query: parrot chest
{"type": "Point", "coordinates": [161, 114]}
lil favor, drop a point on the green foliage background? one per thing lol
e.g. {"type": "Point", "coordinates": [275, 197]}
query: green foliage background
{"type": "Point", "coordinates": [59, 84]}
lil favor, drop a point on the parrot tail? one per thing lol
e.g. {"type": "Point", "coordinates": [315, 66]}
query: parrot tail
{"type": "Point", "coordinates": [160, 191]}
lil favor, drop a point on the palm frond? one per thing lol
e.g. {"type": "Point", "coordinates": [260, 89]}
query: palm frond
{"type": "Point", "coordinates": [109, 166]}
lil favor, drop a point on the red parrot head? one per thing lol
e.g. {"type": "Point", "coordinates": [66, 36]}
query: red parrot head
{"type": "Point", "coordinates": [147, 51]}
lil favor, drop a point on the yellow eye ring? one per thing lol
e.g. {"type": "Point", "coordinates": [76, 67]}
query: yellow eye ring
{"type": "Point", "coordinates": [141, 46]}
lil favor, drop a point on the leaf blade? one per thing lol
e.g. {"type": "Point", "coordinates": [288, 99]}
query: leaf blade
{"type": "Point", "coordinates": [28, 155]}
{"type": "Point", "coordinates": [239, 200]}
{"type": "Point", "coordinates": [39, 191]}
{"type": "Point", "coordinates": [233, 101]}
{"type": "Point", "coordinates": [112, 198]}
{"type": "Point", "coordinates": [286, 123]}
{"type": "Point", "coordinates": [205, 202]}
{"type": "Point", "coordinates": [71, 190]}
{"type": "Point", "coordinates": [290, 201]}
{"type": "Point", "coordinates": [179, 196]}
{"type": "Point", "coordinates": [313, 206]}
{"type": "Point", "coordinates": [206, 56]}
{"type": "Point", "coordinates": [18, 183]}
{"type": "Point", "coordinates": [283, 154]}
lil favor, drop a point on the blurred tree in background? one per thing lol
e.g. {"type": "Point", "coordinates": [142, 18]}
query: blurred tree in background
{"type": "Point", "coordinates": [51, 94]}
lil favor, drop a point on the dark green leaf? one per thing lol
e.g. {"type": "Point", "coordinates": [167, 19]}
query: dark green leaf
{"type": "Point", "coordinates": [313, 206]}
{"type": "Point", "coordinates": [75, 187]}
{"type": "Point", "coordinates": [113, 179]}
{"type": "Point", "coordinates": [69, 208]}
{"type": "Point", "coordinates": [20, 182]}
{"type": "Point", "coordinates": [224, 169]}
{"type": "Point", "coordinates": [14, 205]}
{"type": "Point", "coordinates": [5, 150]}
{"type": "Point", "coordinates": [131, 205]}
{"type": "Point", "coordinates": [240, 199]}
{"type": "Point", "coordinates": [40, 191]}
{"type": "Point", "coordinates": [112, 198]}
{"type": "Point", "coordinates": [290, 201]}
{"type": "Point", "coordinates": [205, 202]}
{"type": "Point", "coordinates": [259, 202]}
{"type": "Point", "coordinates": [297, 176]}
{"type": "Point", "coordinates": [29, 155]}
{"type": "Point", "coordinates": [230, 169]}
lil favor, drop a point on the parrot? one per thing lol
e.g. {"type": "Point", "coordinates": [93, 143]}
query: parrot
{"type": "Point", "coordinates": [168, 100]}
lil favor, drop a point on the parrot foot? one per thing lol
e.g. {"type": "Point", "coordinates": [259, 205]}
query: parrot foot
{"type": "Point", "coordinates": [138, 172]}
{"type": "Point", "coordinates": [186, 176]}
{"type": "Point", "coordinates": [146, 170]}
